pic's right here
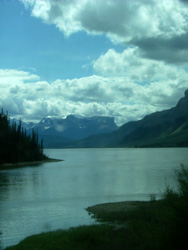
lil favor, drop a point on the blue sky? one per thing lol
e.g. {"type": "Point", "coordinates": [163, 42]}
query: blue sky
{"type": "Point", "coordinates": [28, 43]}
{"type": "Point", "coordinates": [117, 58]}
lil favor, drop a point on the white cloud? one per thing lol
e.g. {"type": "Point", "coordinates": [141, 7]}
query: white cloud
{"type": "Point", "coordinates": [122, 20]}
{"type": "Point", "coordinates": [157, 27]}
{"type": "Point", "coordinates": [8, 76]}
{"type": "Point", "coordinates": [119, 96]}
{"type": "Point", "coordinates": [132, 65]}
{"type": "Point", "coordinates": [61, 13]}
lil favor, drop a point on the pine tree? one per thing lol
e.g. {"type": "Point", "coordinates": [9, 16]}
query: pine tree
{"type": "Point", "coordinates": [16, 145]}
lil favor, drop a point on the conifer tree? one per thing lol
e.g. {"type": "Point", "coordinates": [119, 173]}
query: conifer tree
{"type": "Point", "coordinates": [16, 145]}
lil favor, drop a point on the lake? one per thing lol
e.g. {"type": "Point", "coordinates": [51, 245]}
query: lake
{"type": "Point", "coordinates": [54, 195]}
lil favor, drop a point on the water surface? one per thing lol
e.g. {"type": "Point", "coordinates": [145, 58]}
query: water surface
{"type": "Point", "coordinates": [54, 195]}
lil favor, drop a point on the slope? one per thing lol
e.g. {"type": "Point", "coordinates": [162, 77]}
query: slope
{"type": "Point", "coordinates": [168, 128]}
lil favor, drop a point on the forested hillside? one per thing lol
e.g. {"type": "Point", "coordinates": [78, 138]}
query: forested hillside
{"type": "Point", "coordinates": [15, 145]}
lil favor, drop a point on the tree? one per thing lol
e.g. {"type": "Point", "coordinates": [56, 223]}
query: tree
{"type": "Point", "coordinates": [16, 145]}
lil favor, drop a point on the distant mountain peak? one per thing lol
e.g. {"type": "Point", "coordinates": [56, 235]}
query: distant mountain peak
{"type": "Point", "coordinates": [182, 105]}
{"type": "Point", "coordinates": [186, 94]}
{"type": "Point", "coordinates": [72, 127]}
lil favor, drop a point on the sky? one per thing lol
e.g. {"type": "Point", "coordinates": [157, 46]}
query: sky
{"type": "Point", "coordinates": [118, 58]}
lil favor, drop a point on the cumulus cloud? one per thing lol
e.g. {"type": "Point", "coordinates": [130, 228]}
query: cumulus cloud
{"type": "Point", "coordinates": [59, 12]}
{"type": "Point", "coordinates": [117, 96]}
{"type": "Point", "coordinates": [133, 66]}
{"type": "Point", "coordinates": [174, 50]}
{"type": "Point", "coordinates": [123, 19]}
{"type": "Point", "coordinates": [156, 82]}
{"type": "Point", "coordinates": [152, 25]}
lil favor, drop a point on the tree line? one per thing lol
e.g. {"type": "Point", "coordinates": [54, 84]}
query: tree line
{"type": "Point", "coordinates": [16, 145]}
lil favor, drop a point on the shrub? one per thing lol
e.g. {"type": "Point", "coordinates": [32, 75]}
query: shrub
{"type": "Point", "coordinates": [162, 224]}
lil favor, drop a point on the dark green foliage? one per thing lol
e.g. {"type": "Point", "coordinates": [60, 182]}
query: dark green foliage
{"type": "Point", "coordinates": [162, 224]}
{"type": "Point", "coordinates": [182, 178]}
{"type": "Point", "coordinates": [15, 145]}
{"type": "Point", "coordinates": [82, 238]}
{"type": "Point", "coordinates": [157, 224]}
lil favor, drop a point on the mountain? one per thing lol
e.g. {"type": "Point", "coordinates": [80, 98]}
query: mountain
{"type": "Point", "coordinates": [168, 128]}
{"type": "Point", "coordinates": [58, 132]}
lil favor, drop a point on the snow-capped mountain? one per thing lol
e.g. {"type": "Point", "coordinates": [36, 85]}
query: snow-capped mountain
{"type": "Point", "coordinates": [58, 130]}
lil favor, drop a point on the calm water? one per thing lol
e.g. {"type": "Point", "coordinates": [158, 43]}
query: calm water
{"type": "Point", "coordinates": [50, 196]}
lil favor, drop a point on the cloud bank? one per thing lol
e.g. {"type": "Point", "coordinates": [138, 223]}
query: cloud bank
{"type": "Point", "coordinates": [137, 91]}
{"type": "Point", "coordinates": [155, 26]}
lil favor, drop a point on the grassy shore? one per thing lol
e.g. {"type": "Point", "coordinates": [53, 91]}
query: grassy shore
{"type": "Point", "coordinates": [128, 225]}
{"type": "Point", "coordinates": [147, 225]}
{"type": "Point", "coordinates": [99, 237]}
{"type": "Point", "coordinates": [23, 164]}
{"type": "Point", "coordinates": [154, 225]}
{"type": "Point", "coordinates": [114, 212]}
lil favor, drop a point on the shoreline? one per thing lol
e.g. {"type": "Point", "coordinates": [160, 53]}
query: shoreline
{"type": "Point", "coordinates": [112, 226]}
{"type": "Point", "coordinates": [22, 164]}
{"type": "Point", "coordinates": [117, 207]}
{"type": "Point", "coordinates": [118, 214]}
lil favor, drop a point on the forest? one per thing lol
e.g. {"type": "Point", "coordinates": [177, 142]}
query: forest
{"type": "Point", "coordinates": [16, 145]}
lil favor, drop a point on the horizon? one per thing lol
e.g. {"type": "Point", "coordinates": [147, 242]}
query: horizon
{"type": "Point", "coordinates": [89, 117]}
{"type": "Point", "coordinates": [123, 59]}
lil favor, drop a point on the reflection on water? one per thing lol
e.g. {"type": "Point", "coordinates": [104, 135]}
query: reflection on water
{"type": "Point", "coordinates": [50, 196]}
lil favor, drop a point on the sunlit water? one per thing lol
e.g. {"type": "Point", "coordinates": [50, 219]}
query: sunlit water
{"type": "Point", "coordinates": [54, 195]}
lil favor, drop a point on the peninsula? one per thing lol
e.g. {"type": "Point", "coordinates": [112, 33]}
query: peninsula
{"type": "Point", "coordinates": [17, 147]}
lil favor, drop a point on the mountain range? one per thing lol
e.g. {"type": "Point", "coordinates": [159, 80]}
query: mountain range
{"type": "Point", "coordinates": [168, 128]}
{"type": "Point", "coordinates": [61, 132]}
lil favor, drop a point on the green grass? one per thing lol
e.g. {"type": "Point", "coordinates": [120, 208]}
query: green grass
{"type": "Point", "coordinates": [82, 238]}
{"type": "Point", "coordinates": [113, 217]}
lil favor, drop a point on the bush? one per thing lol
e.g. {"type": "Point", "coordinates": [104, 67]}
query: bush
{"type": "Point", "coordinates": [162, 224]}
{"type": "Point", "coordinates": [182, 178]}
